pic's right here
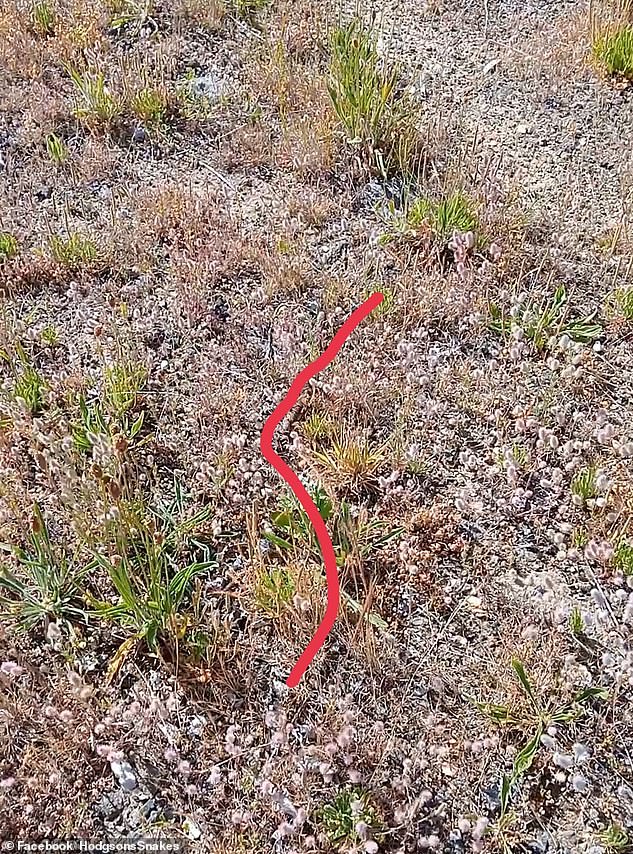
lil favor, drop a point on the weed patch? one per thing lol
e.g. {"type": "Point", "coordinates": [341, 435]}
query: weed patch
{"type": "Point", "coordinates": [47, 584]}
{"type": "Point", "coordinates": [8, 246]}
{"type": "Point", "coordinates": [379, 122]}
{"type": "Point", "coordinates": [613, 50]}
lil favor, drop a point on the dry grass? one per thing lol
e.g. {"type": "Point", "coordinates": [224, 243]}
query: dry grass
{"type": "Point", "coordinates": [193, 198]}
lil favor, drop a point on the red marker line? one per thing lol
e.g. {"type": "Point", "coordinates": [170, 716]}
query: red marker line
{"type": "Point", "coordinates": [266, 444]}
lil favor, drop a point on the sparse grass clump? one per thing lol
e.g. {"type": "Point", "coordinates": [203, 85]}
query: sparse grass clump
{"type": "Point", "coordinates": [56, 149]}
{"type": "Point", "coordinates": [576, 622]}
{"type": "Point", "coordinates": [317, 426]}
{"type": "Point", "coordinates": [613, 50]}
{"type": "Point", "coordinates": [43, 18]}
{"type": "Point", "coordinates": [152, 571]}
{"type": "Point", "coordinates": [350, 809]}
{"type": "Point", "coordinates": [351, 461]}
{"type": "Point", "coordinates": [274, 590]}
{"type": "Point", "coordinates": [533, 716]}
{"type": "Point", "coordinates": [123, 383]}
{"type": "Point", "coordinates": [95, 105]}
{"type": "Point", "coordinates": [352, 534]}
{"type": "Point", "coordinates": [247, 9]}
{"type": "Point", "coordinates": [584, 484]}
{"type": "Point", "coordinates": [49, 336]}
{"type": "Point", "coordinates": [542, 319]}
{"type": "Point", "coordinates": [149, 105]}
{"type": "Point", "coordinates": [8, 246]}
{"type": "Point", "coordinates": [623, 557]}
{"type": "Point", "coordinates": [134, 13]}
{"type": "Point", "coordinates": [73, 251]}
{"type": "Point", "coordinates": [193, 103]}
{"type": "Point", "coordinates": [29, 386]}
{"type": "Point", "coordinates": [623, 299]}
{"type": "Point", "coordinates": [454, 213]}
{"type": "Point", "coordinates": [616, 839]}
{"type": "Point", "coordinates": [46, 585]}
{"type": "Point", "coordinates": [151, 590]}
{"type": "Point", "coordinates": [379, 121]}
{"type": "Point", "coordinates": [424, 217]}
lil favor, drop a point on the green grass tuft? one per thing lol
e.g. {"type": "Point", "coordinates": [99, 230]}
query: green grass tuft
{"type": "Point", "coordinates": [73, 251]}
{"type": "Point", "coordinates": [43, 18]}
{"type": "Point", "coordinates": [8, 246]}
{"type": "Point", "coordinates": [583, 485]}
{"type": "Point", "coordinates": [94, 103]}
{"type": "Point", "coordinates": [623, 557]}
{"type": "Point", "coordinates": [340, 817]}
{"type": "Point", "coordinates": [47, 583]}
{"type": "Point", "coordinates": [623, 299]}
{"type": "Point", "coordinates": [149, 105]}
{"type": "Point", "coordinates": [452, 213]}
{"type": "Point", "coordinates": [379, 122]}
{"type": "Point", "coordinates": [56, 149]}
{"type": "Point", "coordinates": [613, 49]}
{"type": "Point", "coordinates": [274, 590]}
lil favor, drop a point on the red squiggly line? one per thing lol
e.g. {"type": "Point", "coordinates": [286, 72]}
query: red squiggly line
{"type": "Point", "coordinates": [266, 444]}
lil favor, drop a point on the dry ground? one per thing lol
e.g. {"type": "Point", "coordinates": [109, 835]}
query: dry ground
{"type": "Point", "coordinates": [183, 227]}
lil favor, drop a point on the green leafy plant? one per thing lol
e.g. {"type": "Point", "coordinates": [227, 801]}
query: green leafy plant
{"type": "Point", "coordinates": [152, 573]}
{"type": "Point", "coordinates": [379, 122]}
{"type": "Point", "coordinates": [340, 817]}
{"type": "Point", "coordinates": [423, 216]}
{"type": "Point", "coordinates": [123, 383]}
{"type": "Point", "coordinates": [613, 49]}
{"type": "Point", "coordinates": [29, 386]}
{"type": "Point", "coordinates": [349, 534]}
{"type": "Point", "coordinates": [454, 213]}
{"type": "Point", "coordinates": [579, 538]}
{"type": "Point", "coordinates": [584, 485]}
{"type": "Point", "coordinates": [623, 299]}
{"type": "Point", "coordinates": [94, 103]}
{"type": "Point", "coordinates": [576, 622]}
{"type": "Point", "coordinates": [616, 839]}
{"type": "Point", "coordinates": [177, 526]}
{"type": "Point", "coordinates": [623, 557]}
{"type": "Point", "coordinates": [538, 717]}
{"type": "Point", "coordinates": [93, 422]}
{"type": "Point", "coordinates": [48, 584]}
{"type": "Point", "coordinates": [56, 149]}
{"type": "Point", "coordinates": [274, 589]}
{"type": "Point", "coordinates": [352, 537]}
{"type": "Point", "coordinates": [150, 106]}
{"type": "Point", "coordinates": [49, 336]}
{"type": "Point", "coordinates": [73, 251]}
{"type": "Point", "coordinates": [150, 598]}
{"type": "Point", "coordinates": [43, 18]}
{"type": "Point", "coordinates": [539, 321]}
{"type": "Point", "coordinates": [8, 246]}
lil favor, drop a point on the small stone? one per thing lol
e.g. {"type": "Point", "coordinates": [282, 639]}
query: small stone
{"type": "Point", "coordinates": [124, 773]}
